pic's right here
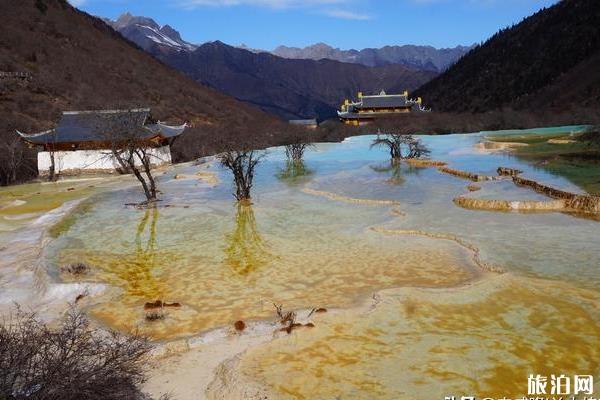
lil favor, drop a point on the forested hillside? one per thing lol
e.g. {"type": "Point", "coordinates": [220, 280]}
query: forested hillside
{"type": "Point", "coordinates": [548, 60]}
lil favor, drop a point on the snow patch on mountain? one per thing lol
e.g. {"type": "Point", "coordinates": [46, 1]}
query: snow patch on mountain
{"type": "Point", "coordinates": [145, 32]}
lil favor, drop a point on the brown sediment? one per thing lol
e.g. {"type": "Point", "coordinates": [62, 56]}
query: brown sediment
{"type": "Point", "coordinates": [444, 236]}
{"type": "Point", "coordinates": [473, 188]}
{"type": "Point", "coordinates": [467, 175]}
{"type": "Point", "coordinates": [345, 199]}
{"type": "Point", "coordinates": [573, 202]}
{"type": "Point", "coordinates": [159, 304]}
{"type": "Point", "coordinates": [239, 326]}
{"type": "Point", "coordinates": [503, 171]}
{"type": "Point", "coordinates": [415, 162]}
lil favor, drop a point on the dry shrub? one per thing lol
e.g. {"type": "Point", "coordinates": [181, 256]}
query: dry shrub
{"type": "Point", "coordinates": [70, 362]}
{"type": "Point", "coordinates": [76, 269]}
{"type": "Point", "coordinates": [155, 315]}
{"type": "Point", "coordinates": [242, 164]}
{"type": "Point", "coordinates": [284, 317]}
{"type": "Point", "coordinates": [288, 319]}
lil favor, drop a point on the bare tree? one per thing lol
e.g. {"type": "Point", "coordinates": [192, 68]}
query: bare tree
{"type": "Point", "coordinates": [52, 169]}
{"type": "Point", "coordinates": [242, 164]}
{"type": "Point", "coordinates": [12, 159]}
{"type": "Point", "coordinates": [295, 151]}
{"type": "Point", "coordinates": [70, 362]}
{"type": "Point", "coordinates": [416, 149]}
{"type": "Point", "coordinates": [397, 144]}
{"type": "Point", "coordinates": [132, 150]}
{"type": "Point", "coordinates": [135, 156]}
{"type": "Point", "coordinates": [295, 167]}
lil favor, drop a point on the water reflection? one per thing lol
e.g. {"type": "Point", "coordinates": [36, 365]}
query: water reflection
{"type": "Point", "coordinates": [294, 171]}
{"type": "Point", "coordinates": [395, 170]}
{"type": "Point", "coordinates": [245, 249]}
{"type": "Point", "coordinates": [138, 269]}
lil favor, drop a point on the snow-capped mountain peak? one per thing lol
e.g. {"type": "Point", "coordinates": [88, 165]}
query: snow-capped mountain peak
{"type": "Point", "coordinates": [146, 33]}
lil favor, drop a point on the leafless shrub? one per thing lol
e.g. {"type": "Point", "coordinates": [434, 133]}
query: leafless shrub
{"type": "Point", "coordinates": [76, 269]}
{"type": "Point", "coordinates": [242, 164]}
{"type": "Point", "coordinates": [284, 317]}
{"type": "Point", "coordinates": [71, 362]}
{"type": "Point", "coordinates": [155, 315]}
{"type": "Point", "coordinates": [287, 319]}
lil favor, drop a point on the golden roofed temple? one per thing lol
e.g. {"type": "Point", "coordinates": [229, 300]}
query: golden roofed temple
{"type": "Point", "coordinates": [369, 108]}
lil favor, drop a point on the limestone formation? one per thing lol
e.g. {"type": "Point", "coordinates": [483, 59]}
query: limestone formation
{"type": "Point", "coordinates": [467, 175]}
{"type": "Point", "coordinates": [573, 202]}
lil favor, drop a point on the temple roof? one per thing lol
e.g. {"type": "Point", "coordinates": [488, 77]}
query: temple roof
{"type": "Point", "coordinates": [102, 126]}
{"type": "Point", "coordinates": [384, 101]}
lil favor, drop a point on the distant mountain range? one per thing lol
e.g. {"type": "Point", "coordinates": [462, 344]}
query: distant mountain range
{"type": "Point", "coordinates": [548, 62]}
{"type": "Point", "coordinates": [417, 57]}
{"type": "Point", "coordinates": [289, 88]}
{"type": "Point", "coordinates": [70, 60]}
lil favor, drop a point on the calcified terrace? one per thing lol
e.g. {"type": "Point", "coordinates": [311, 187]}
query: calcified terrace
{"type": "Point", "coordinates": [426, 296]}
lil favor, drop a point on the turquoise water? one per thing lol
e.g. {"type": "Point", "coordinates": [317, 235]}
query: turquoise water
{"type": "Point", "coordinates": [353, 229]}
{"type": "Point", "coordinates": [296, 236]}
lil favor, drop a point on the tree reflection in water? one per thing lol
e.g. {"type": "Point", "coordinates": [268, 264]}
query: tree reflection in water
{"type": "Point", "coordinates": [294, 170]}
{"type": "Point", "coordinates": [245, 249]}
{"type": "Point", "coordinates": [396, 171]}
{"type": "Point", "coordinates": [138, 269]}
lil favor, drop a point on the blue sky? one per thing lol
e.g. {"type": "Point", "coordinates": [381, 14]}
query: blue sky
{"type": "Point", "coordinates": [357, 24]}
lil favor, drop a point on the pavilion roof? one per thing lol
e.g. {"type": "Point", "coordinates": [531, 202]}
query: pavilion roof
{"type": "Point", "coordinates": [102, 126]}
{"type": "Point", "coordinates": [383, 101]}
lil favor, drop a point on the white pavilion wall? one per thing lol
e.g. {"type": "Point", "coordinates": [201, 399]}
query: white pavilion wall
{"type": "Point", "coordinates": [93, 161]}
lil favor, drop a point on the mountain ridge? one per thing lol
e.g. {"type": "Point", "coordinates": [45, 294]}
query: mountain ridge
{"type": "Point", "coordinates": [543, 62]}
{"type": "Point", "coordinates": [419, 57]}
{"type": "Point", "coordinates": [288, 88]}
{"type": "Point", "coordinates": [413, 56]}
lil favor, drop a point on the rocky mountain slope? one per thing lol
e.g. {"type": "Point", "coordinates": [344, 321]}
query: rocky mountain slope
{"type": "Point", "coordinates": [146, 33]}
{"type": "Point", "coordinates": [288, 88]}
{"type": "Point", "coordinates": [417, 57]}
{"type": "Point", "coordinates": [54, 58]}
{"type": "Point", "coordinates": [551, 60]}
